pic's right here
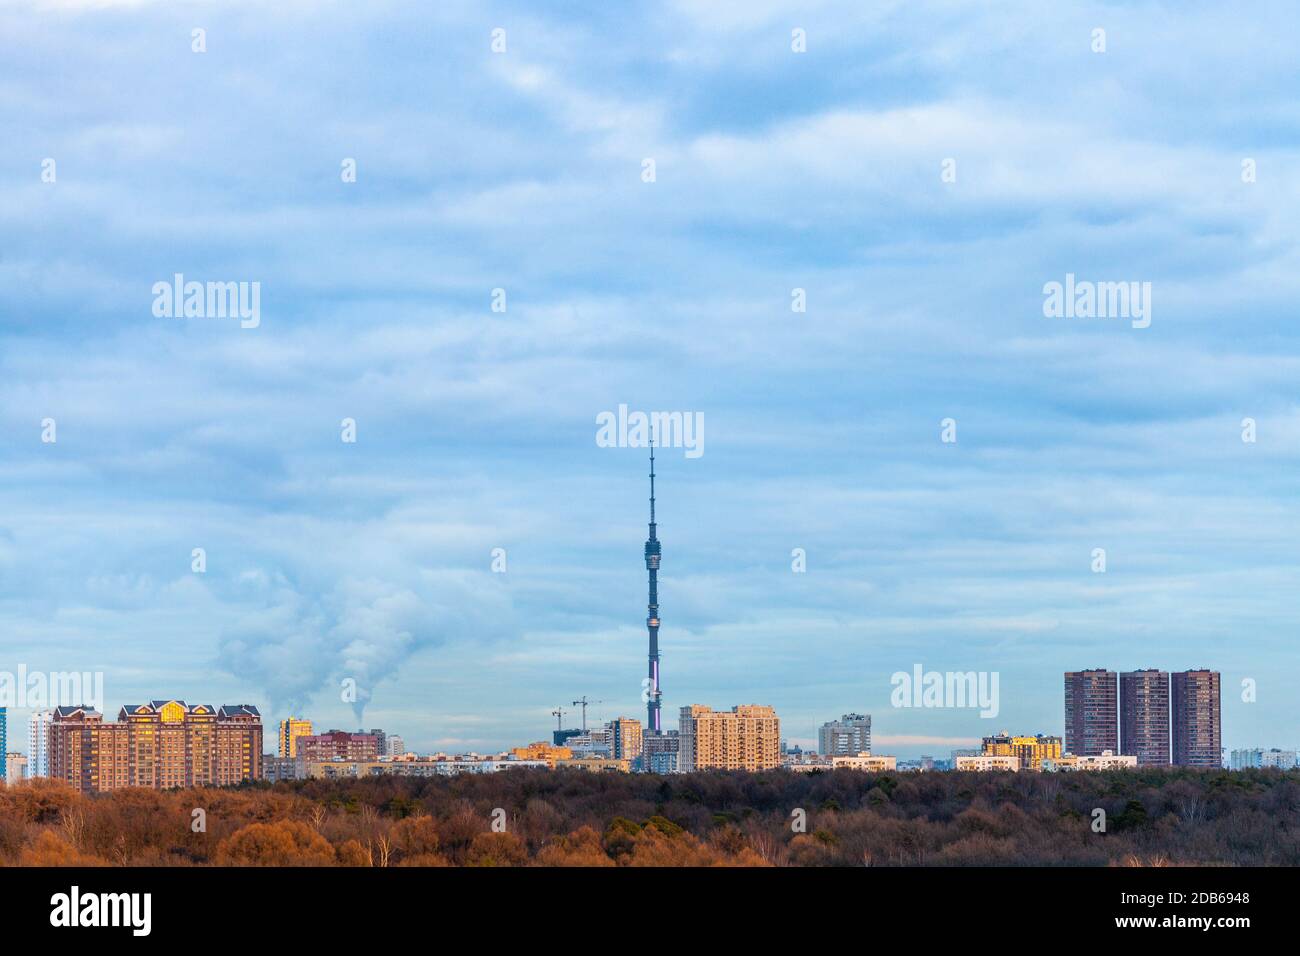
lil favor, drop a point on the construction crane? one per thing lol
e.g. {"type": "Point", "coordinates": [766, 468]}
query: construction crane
{"type": "Point", "coordinates": [584, 702]}
{"type": "Point", "coordinates": [558, 714]}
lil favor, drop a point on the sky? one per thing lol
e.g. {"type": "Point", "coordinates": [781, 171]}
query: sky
{"type": "Point", "coordinates": [920, 170]}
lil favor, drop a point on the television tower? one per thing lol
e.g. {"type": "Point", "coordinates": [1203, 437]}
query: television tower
{"type": "Point", "coordinates": [653, 724]}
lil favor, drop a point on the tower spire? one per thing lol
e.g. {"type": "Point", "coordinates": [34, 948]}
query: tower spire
{"type": "Point", "coordinates": [652, 484]}
{"type": "Point", "coordinates": [652, 553]}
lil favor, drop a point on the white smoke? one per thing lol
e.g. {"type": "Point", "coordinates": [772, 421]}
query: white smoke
{"type": "Point", "coordinates": [296, 645]}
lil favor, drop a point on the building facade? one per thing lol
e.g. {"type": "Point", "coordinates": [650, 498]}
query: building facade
{"type": "Point", "coordinates": [1259, 759]}
{"type": "Point", "coordinates": [851, 734]}
{"type": "Point", "coordinates": [15, 768]}
{"type": "Point", "coordinates": [381, 739]}
{"type": "Point", "coordinates": [626, 736]}
{"type": "Point", "coordinates": [1102, 761]}
{"type": "Point", "coordinates": [747, 737]}
{"type": "Point", "coordinates": [805, 761]}
{"type": "Point", "coordinates": [1144, 716]}
{"type": "Point", "coordinates": [1195, 723]}
{"type": "Point", "coordinates": [596, 742]}
{"type": "Point", "coordinates": [276, 768]}
{"type": "Point", "coordinates": [984, 763]}
{"type": "Point", "coordinates": [561, 737]}
{"type": "Point", "coordinates": [864, 761]}
{"type": "Point", "coordinates": [86, 752]}
{"type": "Point", "coordinates": [963, 752]}
{"type": "Point", "coordinates": [161, 744]}
{"type": "Point", "coordinates": [611, 764]}
{"type": "Point", "coordinates": [38, 740]}
{"type": "Point", "coordinates": [438, 765]}
{"type": "Point", "coordinates": [1091, 712]}
{"type": "Point", "coordinates": [291, 729]}
{"type": "Point", "coordinates": [659, 752]}
{"type": "Point", "coordinates": [337, 745]}
{"type": "Point", "coordinates": [1031, 751]}
{"type": "Point", "coordinates": [548, 753]}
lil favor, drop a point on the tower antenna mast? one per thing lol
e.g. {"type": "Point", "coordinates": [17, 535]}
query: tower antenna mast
{"type": "Point", "coordinates": [654, 723]}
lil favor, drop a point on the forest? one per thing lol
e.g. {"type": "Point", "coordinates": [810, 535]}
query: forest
{"type": "Point", "coordinates": [530, 817]}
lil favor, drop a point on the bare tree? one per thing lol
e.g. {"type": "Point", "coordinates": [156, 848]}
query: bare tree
{"type": "Point", "coordinates": [384, 848]}
{"type": "Point", "coordinates": [73, 823]}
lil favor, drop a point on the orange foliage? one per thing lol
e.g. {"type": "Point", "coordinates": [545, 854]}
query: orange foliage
{"type": "Point", "coordinates": [580, 848]}
{"type": "Point", "coordinates": [49, 849]}
{"type": "Point", "coordinates": [284, 843]}
{"type": "Point", "coordinates": [352, 853]}
{"type": "Point", "coordinates": [1162, 817]}
{"type": "Point", "coordinates": [497, 849]}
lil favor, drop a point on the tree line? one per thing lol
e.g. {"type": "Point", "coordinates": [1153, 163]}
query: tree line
{"type": "Point", "coordinates": [537, 817]}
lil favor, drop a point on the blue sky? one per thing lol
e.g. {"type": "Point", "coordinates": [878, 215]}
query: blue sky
{"type": "Point", "coordinates": [775, 170]}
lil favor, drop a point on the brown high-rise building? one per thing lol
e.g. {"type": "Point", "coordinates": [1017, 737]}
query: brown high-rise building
{"type": "Point", "coordinates": [1091, 712]}
{"type": "Point", "coordinates": [1144, 716]}
{"type": "Point", "coordinates": [161, 744]}
{"type": "Point", "coordinates": [1196, 727]}
{"type": "Point", "coordinates": [86, 752]}
{"type": "Point", "coordinates": [338, 745]}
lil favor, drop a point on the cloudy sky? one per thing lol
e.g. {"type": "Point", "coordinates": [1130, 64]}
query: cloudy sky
{"type": "Point", "coordinates": [524, 170]}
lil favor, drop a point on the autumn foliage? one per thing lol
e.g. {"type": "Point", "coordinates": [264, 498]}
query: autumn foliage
{"type": "Point", "coordinates": [531, 817]}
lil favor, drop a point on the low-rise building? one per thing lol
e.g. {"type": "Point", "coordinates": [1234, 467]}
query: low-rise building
{"type": "Point", "coordinates": [983, 763]}
{"type": "Point", "coordinates": [439, 765]}
{"type": "Point", "coordinates": [614, 764]}
{"type": "Point", "coordinates": [1032, 751]}
{"type": "Point", "coordinates": [15, 768]}
{"type": "Point", "coordinates": [865, 761]}
{"type": "Point", "coordinates": [1106, 760]}
{"type": "Point", "coordinates": [1257, 758]}
{"type": "Point", "coordinates": [804, 761]}
{"type": "Point", "coordinates": [543, 751]}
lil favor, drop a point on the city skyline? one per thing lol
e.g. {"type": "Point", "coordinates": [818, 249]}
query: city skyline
{"type": "Point", "coordinates": [798, 273]}
{"type": "Point", "coordinates": [1158, 718]}
{"type": "Point", "coordinates": [1112, 722]}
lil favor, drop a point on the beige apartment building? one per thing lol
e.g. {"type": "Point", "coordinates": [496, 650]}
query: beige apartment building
{"type": "Point", "coordinates": [983, 763]}
{"type": "Point", "coordinates": [865, 761]}
{"type": "Point", "coordinates": [1102, 761]}
{"type": "Point", "coordinates": [612, 764]}
{"type": "Point", "coordinates": [625, 737]}
{"type": "Point", "coordinates": [747, 737]}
